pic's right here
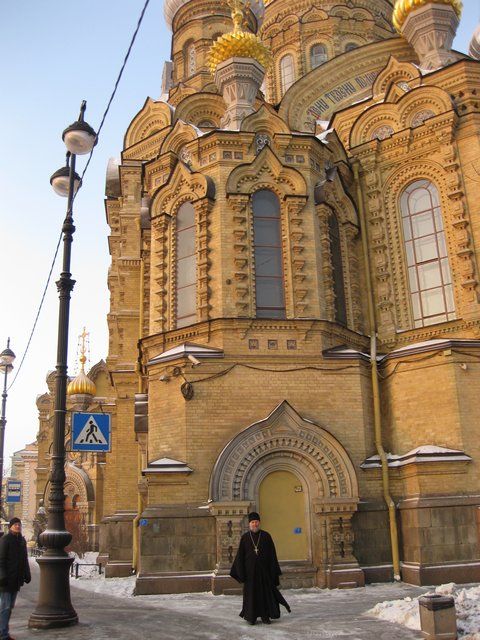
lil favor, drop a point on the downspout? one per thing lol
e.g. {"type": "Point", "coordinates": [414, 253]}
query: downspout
{"type": "Point", "coordinates": [136, 520]}
{"type": "Point", "coordinates": [377, 412]}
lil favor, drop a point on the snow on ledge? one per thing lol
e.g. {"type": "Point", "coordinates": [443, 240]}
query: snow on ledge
{"type": "Point", "coordinates": [167, 465]}
{"type": "Point", "coordinates": [425, 453]}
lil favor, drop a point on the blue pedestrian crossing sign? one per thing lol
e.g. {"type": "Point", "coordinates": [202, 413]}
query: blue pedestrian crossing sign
{"type": "Point", "coordinates": [90, 431]}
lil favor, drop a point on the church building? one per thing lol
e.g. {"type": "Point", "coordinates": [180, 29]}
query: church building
{"type": "Point", "coordinates": [294, 324]}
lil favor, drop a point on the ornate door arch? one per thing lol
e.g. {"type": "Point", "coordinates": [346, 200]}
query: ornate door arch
{"type": "Point", "coordinates": [285, 440]}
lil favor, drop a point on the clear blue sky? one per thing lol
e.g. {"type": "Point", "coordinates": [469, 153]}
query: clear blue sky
{"type": "Point", "coordinates": [52, 55]}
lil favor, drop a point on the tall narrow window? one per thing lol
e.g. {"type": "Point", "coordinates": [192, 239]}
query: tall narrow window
{"type": "Point", "coordinates": [186, 266]}
{"type": "Point", "coordinates": [287, 72]}
{"type": "Point", "coordinates": [337, 267]}
{"type": "Point", "coordinates": [429, 274]}
{"type": "Point", "coordinates": [318, 55]}
{"type": "Point", "coordinates": [191, 60]}
{"type": "Point", "coordinates": [267, 236]}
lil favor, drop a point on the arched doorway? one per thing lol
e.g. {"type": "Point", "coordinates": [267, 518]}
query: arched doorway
{"type": "Point", "coordinates": [262, 468]}
{"type": "Point", "coordinates": [281, 501]}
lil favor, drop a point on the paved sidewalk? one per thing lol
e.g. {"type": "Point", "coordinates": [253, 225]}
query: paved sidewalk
{"type": "Point", "coordinates": [316, 615]}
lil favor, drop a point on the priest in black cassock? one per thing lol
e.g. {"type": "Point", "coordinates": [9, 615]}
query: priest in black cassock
{"type": "Point", "coordinates": [256, 566]}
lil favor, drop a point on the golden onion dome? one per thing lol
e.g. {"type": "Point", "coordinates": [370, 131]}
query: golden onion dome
{"type": "Point", "coordinates": [239, 43]}
{"type": "Point", "coordinates": [82, 385]}
{"type": "Point", "coordinates": [404, 7]}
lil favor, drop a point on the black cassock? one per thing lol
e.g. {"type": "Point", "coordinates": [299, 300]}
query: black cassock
{"type": "Point", "coordinates": [259, 572]}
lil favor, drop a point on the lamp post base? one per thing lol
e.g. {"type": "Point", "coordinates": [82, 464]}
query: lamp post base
{"type": "Point", "coordinates": [54, 608]}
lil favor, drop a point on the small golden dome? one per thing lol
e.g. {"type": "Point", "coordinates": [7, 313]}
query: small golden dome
{"type": "Point", "coordinates": [82, 385]}
{"type": "Point", "coordinates": [239, 43]}
{"type": "Point", "coordinates": [404, 7]}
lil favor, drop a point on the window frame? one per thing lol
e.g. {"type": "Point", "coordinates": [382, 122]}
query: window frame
{"type": "Point", "coordinates": [283, 82]}
{"type": "Point", "coordinates": [262, 311]}
{"type": "Point", "coordinates": [311, 55]}
{"type": "Point", "coordinates": [338, 276]}
{"type": "Point", "coordinates": [418, 267]}
{"type": "Point", "coordinates": [183, 321]}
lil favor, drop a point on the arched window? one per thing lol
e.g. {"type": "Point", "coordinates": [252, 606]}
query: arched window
{"type": "Point", "coordinates": [191, 60]}
{"type": "Point", "coordinates": [429, 274]}
{"type": "Point", "coordinates": [267, 238]}
{"type": "Point", "coordinates": [287, 72]}
{"type": "Point", "coordinates": [318, 55]}
{"type": "Point", "coordinates": [186, 266]}
{"type": "Point", "coordinates": [337, 267]}
{"type": "Point", "coordinates": [350, 46]}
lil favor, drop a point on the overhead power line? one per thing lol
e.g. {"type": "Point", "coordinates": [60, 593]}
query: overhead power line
{"type": "Point", "coordinates": [102, 122]}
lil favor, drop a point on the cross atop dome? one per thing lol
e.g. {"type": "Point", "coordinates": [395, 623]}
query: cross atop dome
{"type": "Point", "coordinates": [171, 7]}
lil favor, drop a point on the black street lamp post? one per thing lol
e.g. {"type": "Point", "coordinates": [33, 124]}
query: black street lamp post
{"type": "Point", "coordinates": [7, 358]}
{"type": "Point", "coordinates": [54, 607]}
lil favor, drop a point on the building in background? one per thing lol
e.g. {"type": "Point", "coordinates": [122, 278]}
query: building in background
{"type": "Point", "coordinates": [294, 321]}
{"type": "Point", "coordinates": [90, 393]}
{"type": "Point", "coordinates": [23, 475]}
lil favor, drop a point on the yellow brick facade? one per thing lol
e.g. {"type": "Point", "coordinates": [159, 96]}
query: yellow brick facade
{"type": "Point", "coordinates": [205, 412]}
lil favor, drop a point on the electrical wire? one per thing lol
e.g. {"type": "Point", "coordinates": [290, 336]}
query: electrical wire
{"type": "Point", "coordinates": [102, 122]}
{"type": "Point", "coordinates": [224, 372]}
{"type": "Point", "coordinates": [127, 55]}
{"type": "Point", "coordinates": [38, 312]}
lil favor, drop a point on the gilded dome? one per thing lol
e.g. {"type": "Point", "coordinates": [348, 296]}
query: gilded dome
{"type": "Point", "coordinates": [81, 385]}
{"type": "Point", "coordinates": [238, 44]}
{"type": "Point", "coordinates": [404, 7]}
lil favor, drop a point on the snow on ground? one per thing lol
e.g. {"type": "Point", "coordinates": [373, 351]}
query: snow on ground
{"type": "Point", "coordinates": [90, 579]}
{"type": "Point", "coordinates": [406, 611]}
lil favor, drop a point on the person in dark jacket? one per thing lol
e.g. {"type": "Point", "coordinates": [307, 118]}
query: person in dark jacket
{"type": "Point", "coordinates": [14, 572]}
{"type": "Point", "coordinates": [256, 566]}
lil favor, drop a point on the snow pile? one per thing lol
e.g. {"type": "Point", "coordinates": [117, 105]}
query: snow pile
{"type": "Point", "coordinates": [403, 612]}
{"type": "Point", "coordinates": [406, 611]}
{"type": "Point", "coordinates": [90, 579]}
{"type": "Point", "coordinates": [88, 567]}
{"type": "Point", "coordinates": [117, 587]}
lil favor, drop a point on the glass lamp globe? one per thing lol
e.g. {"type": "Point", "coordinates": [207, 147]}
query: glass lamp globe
{"type": "Point", "coordinates": [79, 138]}
{"type": "Point", "coordinates": [7, 358]}
{"type": "Point", "coordinates": [60, 181]}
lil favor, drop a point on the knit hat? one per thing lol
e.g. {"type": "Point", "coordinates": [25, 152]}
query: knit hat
{"type": "Point", "coordinates": [253, 516]}
{"type": "Point", "coordinates": [14, 521]}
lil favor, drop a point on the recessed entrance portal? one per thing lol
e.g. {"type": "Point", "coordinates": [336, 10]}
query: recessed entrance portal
{"type": "Point", "coordinates": [303, 483]}
{"type": "Point", "coordinates": [282, 509]}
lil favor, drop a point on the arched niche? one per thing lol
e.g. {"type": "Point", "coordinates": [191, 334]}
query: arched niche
{"type": "Point", "coordinates": [283, 440]}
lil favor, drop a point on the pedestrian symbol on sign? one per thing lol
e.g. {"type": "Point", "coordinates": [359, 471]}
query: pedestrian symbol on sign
{"type": "Point", "coordinates": [90, 432]}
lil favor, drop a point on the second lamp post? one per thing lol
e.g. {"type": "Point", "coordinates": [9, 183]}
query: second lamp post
{"type": "Point", "coordinates": [7, 358]}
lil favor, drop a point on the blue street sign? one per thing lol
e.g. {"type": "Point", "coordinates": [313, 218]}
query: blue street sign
{"type": "Point", "coordinates": [297, 530]}
{"type": "Point", "coordinates": [90, 431]}
{"type": "Point", "coordinates": [14, 491]}
{"type": "Point", "coordinates": [143, 522]}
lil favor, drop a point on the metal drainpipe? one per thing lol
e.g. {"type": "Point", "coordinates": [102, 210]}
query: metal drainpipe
{"type": "Point", "coordinates": [136, 520]}
{"type": "Point", "coordinates": [377, 412]}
